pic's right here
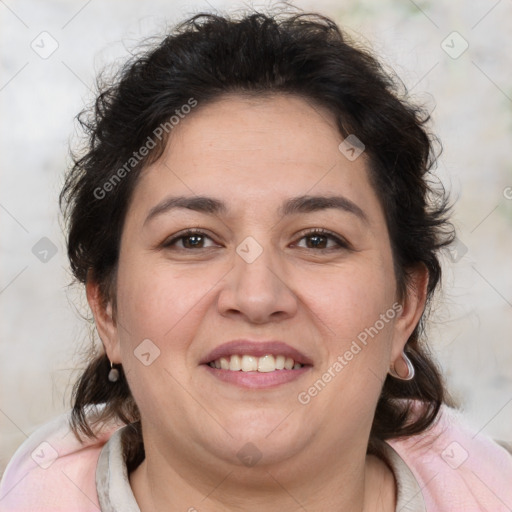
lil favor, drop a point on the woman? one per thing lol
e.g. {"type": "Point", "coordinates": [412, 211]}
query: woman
{"type": "Point", "coordinates": [256, 229]}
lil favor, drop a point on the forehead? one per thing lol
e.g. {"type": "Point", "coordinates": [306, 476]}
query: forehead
{"type": "Point", "coordinates": [266, 132]}
{"type": "Point", "coordinates": [258, 149]}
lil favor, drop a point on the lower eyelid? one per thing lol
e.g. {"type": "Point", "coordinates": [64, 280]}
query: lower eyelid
{"type": "Point", "coordinates": [338, 245]}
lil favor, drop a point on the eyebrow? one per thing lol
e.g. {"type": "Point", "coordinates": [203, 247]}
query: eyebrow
{"type": "Point", "coordinates": [294, 205]}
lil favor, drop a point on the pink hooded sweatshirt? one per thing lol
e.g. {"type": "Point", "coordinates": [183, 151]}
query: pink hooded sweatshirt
{"type": "Point", "coordinates": [456, 469]}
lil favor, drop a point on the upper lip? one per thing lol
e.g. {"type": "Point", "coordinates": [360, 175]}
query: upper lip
{"type": "Point", "coordinates": [257, 349]}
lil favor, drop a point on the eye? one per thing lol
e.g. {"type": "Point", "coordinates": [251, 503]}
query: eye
{"type": "Point", "coordinates": [313, 239]}
{"type": "Point", "coordinates": [322, 239]}
{"type": "Point", "coordinates": [190, 239]}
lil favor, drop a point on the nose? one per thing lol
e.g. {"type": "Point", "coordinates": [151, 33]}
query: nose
{"type": "Point", "coordinates": [257, 291]}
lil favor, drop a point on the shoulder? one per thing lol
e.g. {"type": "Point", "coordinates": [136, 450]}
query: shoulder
{"type": "Point", "coordinates": [458, 467]}
{"type": "Point", "coordinates": [53, 470]}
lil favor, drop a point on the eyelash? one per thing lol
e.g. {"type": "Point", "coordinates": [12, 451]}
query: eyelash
{"type": "Point", "coordinates": [340, 242]}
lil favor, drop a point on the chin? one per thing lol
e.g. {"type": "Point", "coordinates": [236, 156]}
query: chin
{"type": "Point", "coordinates": [277, 435]}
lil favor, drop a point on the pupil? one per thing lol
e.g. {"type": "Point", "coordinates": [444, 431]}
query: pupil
{"type": "Point", "coordinates": [317, 240]}
{"type": "Point", "coordinates": [193, 240]}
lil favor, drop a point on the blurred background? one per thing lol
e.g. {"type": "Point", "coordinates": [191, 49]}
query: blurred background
{"type": "Point", "coordinates": [455, 57]}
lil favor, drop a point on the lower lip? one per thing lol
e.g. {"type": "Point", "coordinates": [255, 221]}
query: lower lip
{"type": "Point", "coordinates": [257, 380]}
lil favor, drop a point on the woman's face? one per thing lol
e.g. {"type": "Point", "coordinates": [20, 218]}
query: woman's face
{"type": "Point", "coordinates": [256, 276]}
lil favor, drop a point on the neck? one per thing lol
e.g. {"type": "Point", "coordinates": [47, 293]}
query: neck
{"type": "Point", "coordinates": [335, 482]}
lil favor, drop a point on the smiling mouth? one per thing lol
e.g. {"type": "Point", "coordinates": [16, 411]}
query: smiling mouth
{"type": "Point", "coordinates": [247, 363]}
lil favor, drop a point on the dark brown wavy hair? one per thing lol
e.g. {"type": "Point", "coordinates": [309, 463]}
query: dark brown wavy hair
{"type": "Point", "coordinates": [302, 54]}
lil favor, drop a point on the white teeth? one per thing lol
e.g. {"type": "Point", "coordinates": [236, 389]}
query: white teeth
{"type": "Point", "coordinates": [246, 363]}
{"type": "Point", "coordinates": [235, 363]}
{"type": "Point", "coordinates": [266, 364]}
{"type": "Point", "coordinates": [249, 364]}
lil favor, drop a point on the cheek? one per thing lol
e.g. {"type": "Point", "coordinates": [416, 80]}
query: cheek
{"type": "Point", "coordinates": [349, 309]}
{"type": "Point", "coordinates": [161, 302]}
{"type": "Point", "coordinates": [356, 315]}
{"type": "Point", "coordinates": [165, 306]}
{"type": "Point", "coordinates": [350, 299]}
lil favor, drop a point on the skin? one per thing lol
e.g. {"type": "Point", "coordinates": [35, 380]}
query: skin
{"type": "Point", "coordinates": [254, 153]}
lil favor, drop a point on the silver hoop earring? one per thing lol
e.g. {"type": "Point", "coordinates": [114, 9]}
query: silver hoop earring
{"type": "Point", "coordinates": [113, 374]}
{"type": "Point", "coordinates": [410, 369]}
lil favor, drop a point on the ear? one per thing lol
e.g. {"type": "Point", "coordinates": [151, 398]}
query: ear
{"type": "Point", "coordinates": [413, 305]}
{"type": "Point", "coordinates": [104, 320]}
